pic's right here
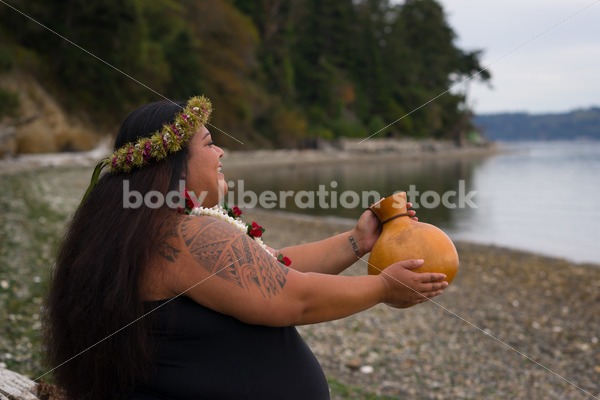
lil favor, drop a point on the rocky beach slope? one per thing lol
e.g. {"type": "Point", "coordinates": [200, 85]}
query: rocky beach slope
{"type": "Point", "coordinates": [513, 325]}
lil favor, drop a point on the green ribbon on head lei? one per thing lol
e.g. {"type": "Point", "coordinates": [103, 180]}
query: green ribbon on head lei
{"type": "Point", "coordinates": [170, 139]}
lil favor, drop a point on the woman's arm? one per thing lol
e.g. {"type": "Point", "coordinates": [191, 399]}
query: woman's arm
{"type": "Point", "coordinates": [333, 255]}
{"type": "Point", "coordinates": [225, 270]}
{"type": "Point", "coordinates": [329, 256]}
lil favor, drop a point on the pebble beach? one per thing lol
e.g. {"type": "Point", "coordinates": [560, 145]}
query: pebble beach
{"type": "Point", "coordinates": [513, 324]}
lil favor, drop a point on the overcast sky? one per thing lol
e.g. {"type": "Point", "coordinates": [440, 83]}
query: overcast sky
{"type": "Point", "coordinates": [557, 72]}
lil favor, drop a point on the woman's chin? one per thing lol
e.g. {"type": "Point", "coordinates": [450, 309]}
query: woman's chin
{"type": "Point", "coordinates": [223, 189]}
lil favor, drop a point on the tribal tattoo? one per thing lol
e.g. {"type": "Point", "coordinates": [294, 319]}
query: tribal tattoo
{"type": "Point", "coordinates": [215, 245]}
{"type": "Point", "coordinates": [166, 244]}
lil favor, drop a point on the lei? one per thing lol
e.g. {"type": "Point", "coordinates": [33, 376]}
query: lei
{"type": "Point", "coordinates": [170, 139]}
{"type": "Point", "coordinates": [232, 217]}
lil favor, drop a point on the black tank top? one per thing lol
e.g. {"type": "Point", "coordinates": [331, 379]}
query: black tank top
{"type": "Point", "coordinates": [202, 354]}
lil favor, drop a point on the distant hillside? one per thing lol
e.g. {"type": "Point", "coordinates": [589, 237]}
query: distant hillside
{"type": "Point", "coordinates": [578, 124]}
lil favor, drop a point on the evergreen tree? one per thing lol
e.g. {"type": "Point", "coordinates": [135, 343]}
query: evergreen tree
{"type": "Point", "coordinates": [279, 71]}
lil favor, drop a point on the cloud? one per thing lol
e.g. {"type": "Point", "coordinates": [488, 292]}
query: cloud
{"type": "Point", "coordinates": [553, 73]}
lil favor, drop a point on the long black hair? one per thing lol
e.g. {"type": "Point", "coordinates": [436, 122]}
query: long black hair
{"type": "Point", "coordinates": [94, 336]}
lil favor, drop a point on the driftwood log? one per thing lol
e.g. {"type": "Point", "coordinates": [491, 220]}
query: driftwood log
{"type": "Point", "coordinates": [14, 386]}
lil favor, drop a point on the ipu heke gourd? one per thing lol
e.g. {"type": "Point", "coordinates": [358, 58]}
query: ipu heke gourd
{"type": "Point", "coordinates": [403, 238]}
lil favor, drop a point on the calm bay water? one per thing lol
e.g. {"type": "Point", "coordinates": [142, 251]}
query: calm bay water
{"type": "Point", "coordinates": [542, 197]}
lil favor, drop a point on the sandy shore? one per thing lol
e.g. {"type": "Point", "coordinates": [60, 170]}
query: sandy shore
{"type": "Point", "coordinates": [513, 325]}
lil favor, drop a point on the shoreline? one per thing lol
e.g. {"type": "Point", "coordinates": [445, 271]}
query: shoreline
{"type": "Point", "coordinates": [263, 158]}
{"type": "Point", "coordinates": [236, 160]}
{"type": "Point", "coordinates": [282, 157]}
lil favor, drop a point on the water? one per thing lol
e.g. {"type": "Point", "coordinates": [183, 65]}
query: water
{"type": "Point", "coordinates": [544, 199]}
{"type": "Point", "coordinates": [541, 197]}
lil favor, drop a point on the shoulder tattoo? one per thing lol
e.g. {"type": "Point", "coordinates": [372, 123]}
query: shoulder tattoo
{"type": "Point", "coordinates": [221, 250]}
{"type": "Point", "coordinates": [167, 242]}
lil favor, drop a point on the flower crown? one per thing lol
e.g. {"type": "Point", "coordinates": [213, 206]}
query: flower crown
{"type": "Point", "coordinates": [170, 139]}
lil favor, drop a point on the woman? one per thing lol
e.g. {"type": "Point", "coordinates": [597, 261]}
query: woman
{"type": "Point", "coordinates": [150, 303]}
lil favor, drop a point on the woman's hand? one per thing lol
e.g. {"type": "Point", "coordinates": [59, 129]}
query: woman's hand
{"type": "Point", "coordinates": [411, 213]}
{"type": "Point", "coordinates": [366, 232]}
{"type": "Point", "coordinates": [405, 288]}
{"type": "Point", "coordinates": [368, 228]}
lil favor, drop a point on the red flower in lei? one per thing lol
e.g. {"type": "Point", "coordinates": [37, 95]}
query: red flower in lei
{"type": "Point", "coordinates": [284, 260]}
{"type": "Point", "coordinates": [191, 201]}
{"type": "Point", "coordinates": [255, 230]}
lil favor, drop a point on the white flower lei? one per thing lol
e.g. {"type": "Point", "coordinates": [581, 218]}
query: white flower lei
{"type": "Point", "coordinates": [220, 213]}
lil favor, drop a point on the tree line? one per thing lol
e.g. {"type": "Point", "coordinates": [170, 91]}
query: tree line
{"type": "Point", "coordinates": [281, 73]}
